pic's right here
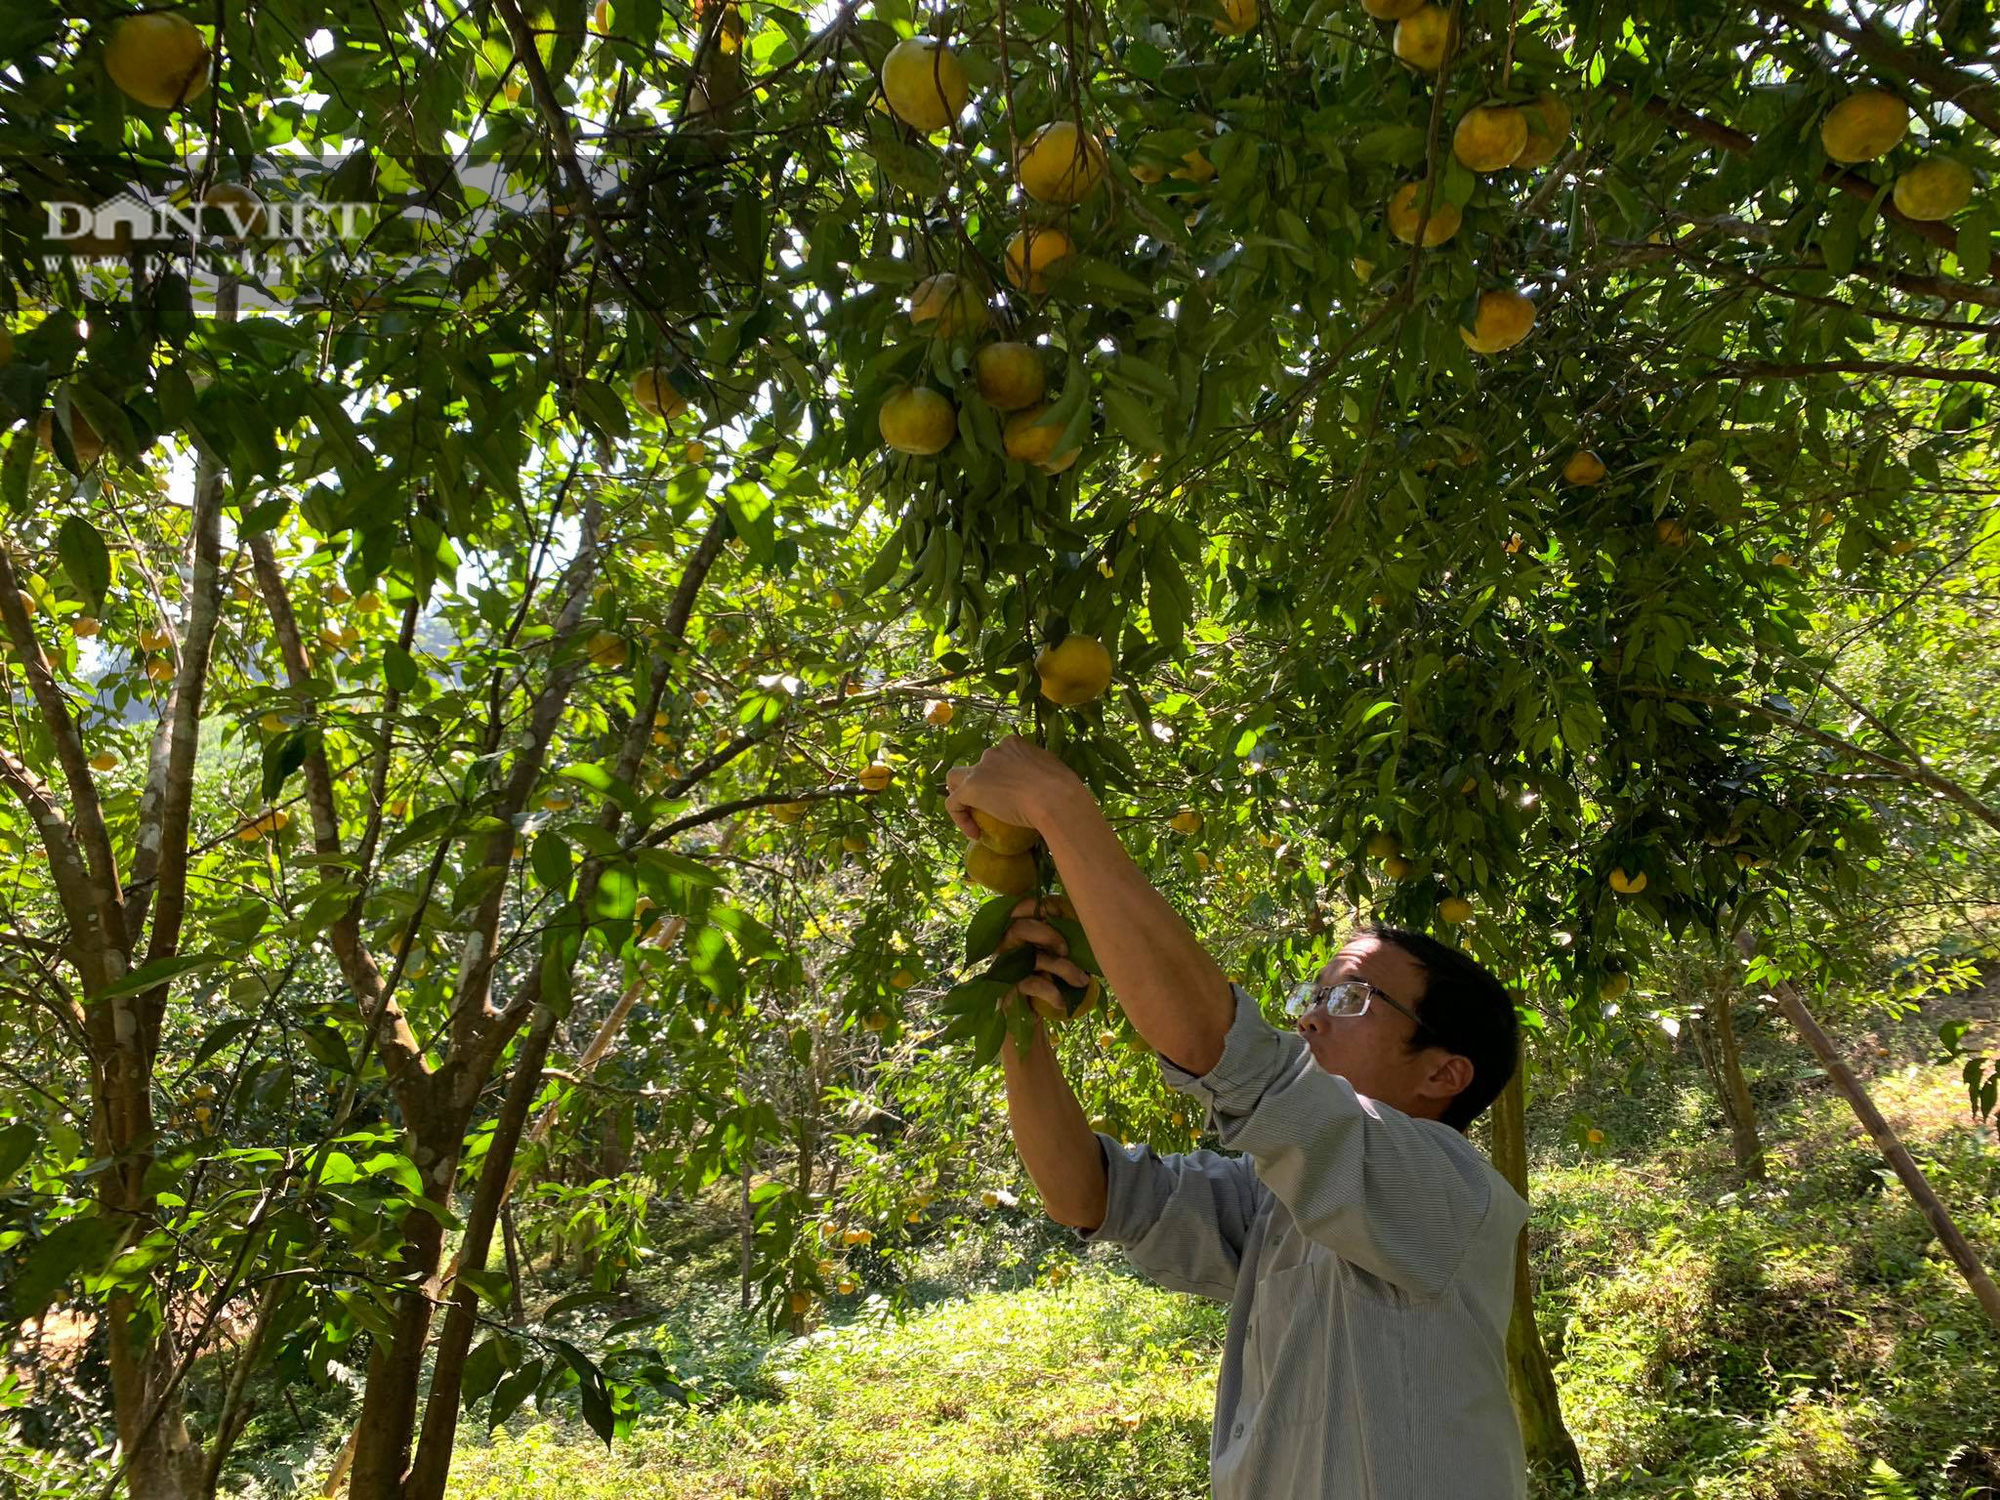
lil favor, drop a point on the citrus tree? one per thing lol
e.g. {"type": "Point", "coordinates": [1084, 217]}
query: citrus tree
{"type": "Point", "coordinates": [500, 498]}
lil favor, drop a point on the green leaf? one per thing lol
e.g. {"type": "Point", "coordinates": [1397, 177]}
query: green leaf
{"type": "Point", "coordinates": [883, 568]}
{"type": "Point", "coordinates": [75, 1247]}
{"type": "Point", "coordinates": [987, 927]}
{"type": "Point", "coordinates": [399, 668]}
{"type": "Point", "coordinates": [86, 560]}
{"type": "Point", "coordinates": [17, 1144]}
{"type": "Point", "coordinates": [159, 971]}
{"type": "Point", "coordinates": [1134, 420]}
{"type": "Point", "coordinates": [284, 755]}
{"type": "Point", "coordinates": [592, 1387]}
{"type": "Point", "coordinates": [512, 1391]}
{"type": "Point", "coordinates": [551, 860]}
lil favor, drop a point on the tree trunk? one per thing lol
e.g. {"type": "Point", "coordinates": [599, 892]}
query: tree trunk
{"type": "Point", "coordinates": [432, 1463]}
{"type": "Point", "coordinates": [510, 1240]}
{"type": "Point", "coordinates": [1740, 1107]}
{"type": "Point", "coordinates": [1886, 1140]}
{"type": "Point", "coordinates": [382, 1447]}
{"type": "Point", "coordinates": [746, 1248]}
{"type": "Point", "coordinates": [1530, 1381]}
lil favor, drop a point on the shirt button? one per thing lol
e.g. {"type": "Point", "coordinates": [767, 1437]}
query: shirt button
{"type": "Point", "coordinates": [1237, 1431]}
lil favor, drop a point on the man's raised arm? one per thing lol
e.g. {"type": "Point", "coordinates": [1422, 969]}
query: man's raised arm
{"type": "Point", "coordinates": [1175, 994]}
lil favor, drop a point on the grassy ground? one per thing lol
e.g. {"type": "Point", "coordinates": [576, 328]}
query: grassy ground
{"type": "Point", "coordinates": [1804, 1340]}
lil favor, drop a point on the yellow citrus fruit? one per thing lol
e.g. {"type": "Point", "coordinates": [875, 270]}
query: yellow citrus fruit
{"type": "Point", "coordinates": [1187, 820]}
{"type": "Point", "coordinates": [876, 777]}
{"type": "Point", "coordinates": [924, 83]}
{"type": "Point", "coordinates": [83, 439]}
{"type": "Point", "coordinates": [1671, 531]}
{"type": "Point", "coordinates": [1489, 137]}
{"type": "Point", "coordinates": [1501, 321]}
{"type": "Point", "coordinates": [1902, 547]}
{"type": "Point", "coordinates": [1455, 910]}
{"type": "Point", "coordinates": [938, 712]}
{"type": "Point", "coordinates": [1060, 163]}
{"type": "Point", "coordinates": [875, 1020]}
{"type": "Point", "coordinates": [1864, 126]}
{"type": "Point", "coordinates": [1627, 885]}
{"type": "Point", "coordinates": [656, 395]}
{"type": "Point", "coordinates": [1009, 874]}
{"type": "Point", "coordinates": [1010, 376]}
{"type": "Point", "coordinates": [1406, 211]}
{"type": "Point", "coordinates": [1074, 670]}
{"type": "Point", "coordinates": [1194, 168]}
{"type": "Point", "coordinates": [1032, 254]}
{"type": "Point", "coordinates": [902, 979]}
{"type": "Point", "coordinates": [1031, 440]}
{"type": "Point", "coordinates": [1782, 560]}
{"type": "Point", "coordinates": [1549, 122]}
{"type": "Point", "coordinates": [158, 59]}
{"type": "Point", "coordinates": [1004, 838]}
{"type": "Point", "coordinates": [154, 640]}
{"type": "Point", "coordinates": [947, 304]}
{"type": "Point", "coordinates": [787, 812]}
{"type": "Point", "coordinates": [1584, 469]}
{"type": "Point", "coordinates": [1391, 10]}
{"type": "Point", "coordinates": [1382, 845]}
{"type": "Point", "coordinates": [1424, 36]}
{"type": "Point", "coordinates": [917, 419]}
{"type": "Point", "coordinates": [1935, 188]}
{"type": "Point", "coordinates": [1237, 18]}
{"type": "Point", "coordinates": [607, 650]}
{"type": "Point", "coordinates": [104, 760]}
{"type": "Point", "coordinates": [1614, 985]}
{"type": "Point", "coordinates": [1396, 867]}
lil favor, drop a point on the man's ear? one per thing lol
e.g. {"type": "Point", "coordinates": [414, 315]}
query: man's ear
{"type": "Point", "coordinates": [1451, 1077]}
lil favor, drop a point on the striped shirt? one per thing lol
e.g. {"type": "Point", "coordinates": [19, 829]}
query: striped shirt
{"type": "Point", "coordinates": [1368, 1260]}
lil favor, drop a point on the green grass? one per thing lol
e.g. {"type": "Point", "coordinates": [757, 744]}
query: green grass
{"type": "Point", "coordinates": [1022, 1395]}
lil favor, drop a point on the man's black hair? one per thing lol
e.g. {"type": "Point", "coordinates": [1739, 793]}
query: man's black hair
{"type": "Point", "coordinates": [1466, 1010]}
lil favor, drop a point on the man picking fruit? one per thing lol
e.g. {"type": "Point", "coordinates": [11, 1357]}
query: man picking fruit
{"type": "Point", "coordinates": [1365, 1247]}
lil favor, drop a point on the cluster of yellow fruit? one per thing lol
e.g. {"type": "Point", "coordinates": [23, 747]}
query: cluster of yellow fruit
{"type": "Point", "coordinates": [1002, 858]}
{"type": "Point", "coordinates": [924, 85]}
{"type": "Point", "coordinates": [1387, 848]}
{"type": "Point", "coordinates": [1867, 126]}
{"type": "Point", "coordinates": [1487, 138]}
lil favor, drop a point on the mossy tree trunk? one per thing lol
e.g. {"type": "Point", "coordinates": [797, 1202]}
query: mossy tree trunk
{"type": "Point", "coordinates": [1530, 1380]}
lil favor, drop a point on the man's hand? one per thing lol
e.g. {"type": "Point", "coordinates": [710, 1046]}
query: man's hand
{"type": "Point", "coordinates": [1015, 781]}
{"type": "Point", "coordinates": [1052, 962]}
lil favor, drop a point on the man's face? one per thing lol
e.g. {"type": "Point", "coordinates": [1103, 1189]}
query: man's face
{"type": "Point", "coordinates": [1371, 1051]}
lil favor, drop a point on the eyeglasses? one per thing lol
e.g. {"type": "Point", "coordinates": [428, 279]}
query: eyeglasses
{"type": "Point", "coordinates": [1347, 997]}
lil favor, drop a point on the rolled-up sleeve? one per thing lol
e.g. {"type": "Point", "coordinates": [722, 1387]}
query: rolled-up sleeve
{"type": "Point", "coordinates": [1182, 1219]}
{"type": "Point", "coordinates": [1399, 1197]}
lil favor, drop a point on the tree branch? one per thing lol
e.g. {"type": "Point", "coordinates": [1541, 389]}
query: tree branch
{"type": "Point", "coordinates": [1919, 775]}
